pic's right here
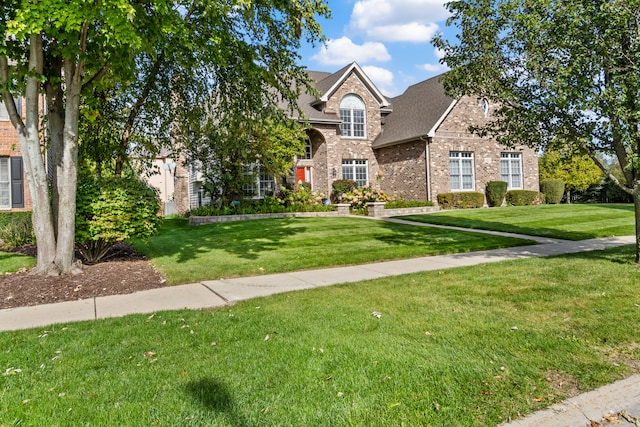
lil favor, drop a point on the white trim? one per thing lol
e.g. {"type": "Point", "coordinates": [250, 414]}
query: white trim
{"type": "Point", "coordinates": [367, 82]}
{"type": "Point", "coordinates": [435, 127]}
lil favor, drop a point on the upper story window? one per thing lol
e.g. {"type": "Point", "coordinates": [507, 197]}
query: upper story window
{"type": "Point", "coordinates": [308, 153]}
{"type": "Point", "coordinates": [4, 114]}
{"type": "Point", "coordinates": [352, 116]}
{"type": "Point", "coordinates": [484, 104]}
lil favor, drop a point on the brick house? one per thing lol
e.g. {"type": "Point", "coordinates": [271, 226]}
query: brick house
{"type": "Point", "coordinates": [415, 145]}
{"type": "Point", "coordinates": [14, 193]}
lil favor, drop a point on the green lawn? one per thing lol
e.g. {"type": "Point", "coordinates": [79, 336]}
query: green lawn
{"type": "Point", "coordinates": [571, 222]}
{"type": "Point", "coordinates": [12, 262]}
{"type": "Point", "coordinates": [185, 254]}
{"type": "Point", "coordinates": [462, 347]}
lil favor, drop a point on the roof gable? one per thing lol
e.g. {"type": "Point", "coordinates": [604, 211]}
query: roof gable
{"type": "Point", "coordinates": [329, 85]}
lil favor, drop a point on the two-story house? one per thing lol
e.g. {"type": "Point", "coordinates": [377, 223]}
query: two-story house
{"type": "Point", "coordinates": [415, 145]}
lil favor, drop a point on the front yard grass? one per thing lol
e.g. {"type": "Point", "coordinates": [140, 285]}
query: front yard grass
{"type": "Point", "coordinates": [12, 262]}
{"type": "Point", "coordinates": [460, 347]}
{"type": "Point", "coordinates": [186, 254]}
{"type": "Point", "coordinates": [570, 222]}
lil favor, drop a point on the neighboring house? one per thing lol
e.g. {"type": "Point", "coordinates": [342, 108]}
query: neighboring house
{"type": "Point", "coordinates": [416, 145]}
{"type": "Point", "coordinates": [14, 193]}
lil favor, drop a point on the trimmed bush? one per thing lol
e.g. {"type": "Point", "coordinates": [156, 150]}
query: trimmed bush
{"type": "Point", "coordinates": [464, 200]}
{"type": "Point", "coordinates": [446, 200]}
{"type": "Point", "coordinates": [342, 186]}
{"type": "Point", "coordinates": [16, 229]}
{"type": "Point", "coordinates": [553, 190]}
{"type": "Point", "coordinates": [112, 210]}
{"type": "Point", "coordinates": [523, 197]}
{"type": "Point", "coordinates": [495, 191]}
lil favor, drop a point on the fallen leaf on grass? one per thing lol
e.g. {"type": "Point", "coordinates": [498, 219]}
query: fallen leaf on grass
{"type": "Point", "coordinates": [149, 353]}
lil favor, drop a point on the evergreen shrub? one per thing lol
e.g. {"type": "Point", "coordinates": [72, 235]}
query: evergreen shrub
{"type": "Point", "coordinates": [524, 197]}
{"type": "Point", "coordinates": [495, 191]}
{"type": "Point", "coordinates": [553, 190]}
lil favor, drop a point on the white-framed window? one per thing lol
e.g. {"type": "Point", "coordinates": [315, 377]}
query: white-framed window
{"type": "Point", "coordinates": [5, 183]}
{"type": "Point", "coordinates": [262, 184]}
{"type": "Point", "coordinates": [352, 116]}
{"type": "Point", "coordinates": [308, 153]}
{"type": "Point", "coordinates": [356, 170]}
{"type": "Point", "coordinates": [4, 114]}
{"type": "Point", "coordinates": [511, 169]}
{"type": "Point", "coordinates": [461, 171]}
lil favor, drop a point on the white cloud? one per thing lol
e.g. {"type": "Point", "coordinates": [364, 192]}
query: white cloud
{"type": "Point", "coordinates": [398, 20]}
{"type": "Point", "coordinates": [438, 67]}
{"type": "Point", "coordinates": [343, 51]}
{"type": "Point", "coordinates": [411, 32]}
{"type": "Point", "coordinates": [382, 78]}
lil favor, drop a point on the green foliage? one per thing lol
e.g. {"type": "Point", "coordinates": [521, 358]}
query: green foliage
{"type": "Point", "coordinates": [496, 190]}
{"type": "Point", "coordinates": [16, 229]}
{"type": "Point", "coordinates": [553, 190]}
{"type": "Point", "coordinates": [523, 197]}
{"type": "Point", "coordinates": [300, 200]}
{"type": "Point", "coordinates": [465, 200]}
{"type": "Point", "coordinates": [576, 171]}
{"type": "Point", "coordinates": [342, 186]}
{"type": "Point", "coordinates": [112, 210]}
{"type": "Point", "coordinates": [359, 197]}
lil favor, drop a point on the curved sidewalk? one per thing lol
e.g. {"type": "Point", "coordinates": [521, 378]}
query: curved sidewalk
{"type": "Point", "coordinates": [217, 293]}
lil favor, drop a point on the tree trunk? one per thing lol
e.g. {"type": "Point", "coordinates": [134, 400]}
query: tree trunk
{"type": "Point", "coordinates": [29, 137]}
{"type": "Point", "coordinates": [55, 118]}
{"type": "Point", "coordinates": [636, 203]}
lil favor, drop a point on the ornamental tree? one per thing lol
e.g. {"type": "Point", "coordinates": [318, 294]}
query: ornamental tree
{"type": "Point", "coordinates": [164, 59]}
{"type": "Point", "coordinates": [562, 73]}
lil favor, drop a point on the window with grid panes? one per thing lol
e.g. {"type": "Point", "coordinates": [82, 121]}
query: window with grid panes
{"type": "Point", "coordinates": [356, 170]}
{"type": "Point", "coordinates": [511, 169]}
{"type": "Point", "coordinates": [352, 116]}
{"type": "Point", "coordinates": [461, 171]}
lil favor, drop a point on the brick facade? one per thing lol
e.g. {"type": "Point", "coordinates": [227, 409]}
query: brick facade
{"type": "Point", "coordinates": [453, 135]}
{"type": "Point", "coordinates": [403, 170]}
{"type": "Point", "coordinates": [10, 147]}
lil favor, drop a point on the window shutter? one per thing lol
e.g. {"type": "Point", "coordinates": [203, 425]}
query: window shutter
{"type": "Point", "coordinates": [17, 183]}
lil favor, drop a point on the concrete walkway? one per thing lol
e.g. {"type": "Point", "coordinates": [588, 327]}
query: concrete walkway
{"type": "Point", "coordinates": [623, 395]}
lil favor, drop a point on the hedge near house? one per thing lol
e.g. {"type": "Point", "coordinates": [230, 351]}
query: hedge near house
{"type": "Point", "coordinates": [110, 210]}
{"type": "Point", "coordinates": [495, 191]}
{"type": "Point", "coordinates": [464, 200]}
{"type": "Point", "coordinates": [553, 189]}
{"type": "Point", "coordinates": [523, 198]}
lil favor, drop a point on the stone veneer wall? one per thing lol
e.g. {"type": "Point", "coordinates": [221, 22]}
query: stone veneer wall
{"type": "Point", "coordinates": [453, 135]}
{"type": "Point", "coordinates": [403, 170]}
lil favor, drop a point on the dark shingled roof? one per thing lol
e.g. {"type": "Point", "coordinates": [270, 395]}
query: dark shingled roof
{"type": "Point", "coordinates": [415, 112]}
{"type": "Point", "coordinates": [307, 101]}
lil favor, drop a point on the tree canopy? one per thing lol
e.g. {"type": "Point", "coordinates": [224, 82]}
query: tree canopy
{"type": "Point", "coordinates": [161, 59]}
{"type": "Point", "coordinates": [562, 73]}
{"type": "Point", "coordinates": [577, 171]}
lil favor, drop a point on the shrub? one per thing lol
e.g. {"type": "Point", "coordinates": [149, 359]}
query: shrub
{"type": "Point", "coordinates": [446, 200]}
{"type": "Point", "coordinates": [553, 190]}
{"type": "Point", "coordinates": [464, 200]}
{"type": "Point", "coordinates": [16, 229]}
{"type": "Point", "coordinates": [342, 186]}
{"type": "Point", "coordinates": [524, 197]}
{"type": "Point", "coordinates": [111, 210]}
{"type": "Point", "coordinates": [359, 197]}
{"type": "Point", "coordinates": [469, 200]}
{"type": "Point", "coordinates": [495, 191]}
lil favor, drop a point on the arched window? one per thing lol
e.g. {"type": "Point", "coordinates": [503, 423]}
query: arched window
{"type": "Point", "coordinates": [352, 116]}
{"type": "Point", "coordinates": [485, 106]}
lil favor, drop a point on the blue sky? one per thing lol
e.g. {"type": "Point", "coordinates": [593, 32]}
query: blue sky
{"type": "Point", "coordinates": [389, 39]}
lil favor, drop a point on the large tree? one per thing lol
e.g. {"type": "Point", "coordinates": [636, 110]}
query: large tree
{"type": "Point", "coordinates": [175, 52]}
{"type": "Point", "coordinates": [561, 72]}
{"type": "Point", "coordinates": [576, 170]}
